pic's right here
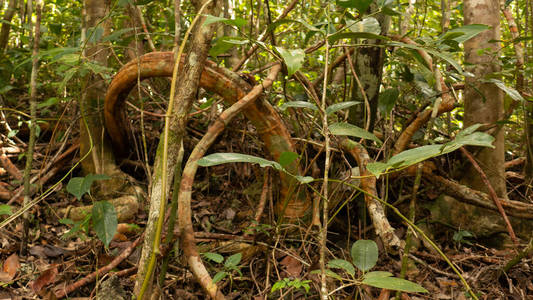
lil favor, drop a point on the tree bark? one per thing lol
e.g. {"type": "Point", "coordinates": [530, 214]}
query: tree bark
{"type": "Point", "coordinates": [6, 24]}
{"type": "Point", "coordinates": [92, 136]}
{"type": "Point", "coordinates": [368, 64]}
{"type": "Point", "coordinates": [484, 101]}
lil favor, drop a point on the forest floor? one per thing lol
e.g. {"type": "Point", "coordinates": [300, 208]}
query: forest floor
{"type": "Point", "coordinates": [57, 258]}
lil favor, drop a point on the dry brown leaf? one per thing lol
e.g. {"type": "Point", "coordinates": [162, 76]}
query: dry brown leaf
{"type": "Point", "coordinates": [11, 265]}
{"type": "Point", "coordinates": [47, 277]}
{"type": "Point", "coordinates": [293, 267]}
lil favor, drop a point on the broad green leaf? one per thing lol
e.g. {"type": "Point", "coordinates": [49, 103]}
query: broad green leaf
{"type": "Point", "coordinates": [75, 187]}
{"type": "Point", "coordinates": [352, 130]}
{"type": "Point", "coordinates": [355, 35]}
{"type": "Point", "coordinates": [225, 158]}
{"type": "Point", "coordinates": [466, 137]}
{"type": "Point", "coordinates": [225, 43]}
{"type": "Point", "coordinates": [476, 139]}
{"type": "Point", "coordinates": [214, 257]}
{"type": "Point", "coordinates": [375, 274]}
{"type": "Point", "coordinates": [340, 106]}
{"type": "Point", "coordinates": [364, 254]}
{"type": "Point", "coordinates": [360, 5]}
{"type": "Point", "coordinates": [298, 104]}
{"type": "Point", "coordinates": [105, 222]}
{"type": "Point", "coordinates": [438, 54]}
{"type": "Point", "coordinates": [387, 100]}
{"type": "Point", "coordinates": [5, 209]}
{"type": "Point", "coordinates": [286, 158]}
{"type": "Point", "coordinates": [328, 273]}
{"type": "Point", "coordinates": [6, 88]}
{"type": "Point", "coordinates": [342, 264]}
{"type": "Point", "coordinates": [116, 34]}
{"type": "Point", "coordinates": [274, 25]}
{"type": "Point", "coordinates": [511, 92]}
{"type": "Point", "coordinates": [294, 58]}
{"type": "Point", "coordinates": [369, 25]}
{"type": "Point", "coordinates": [233, 260]}
{"type": "Point", "coordinates": [393, 283]}
{"type": "Point", "coordinates": [78, 186]}
{"type": "Point", "coordinates": [209, 19]}
{"type": "Point", "coordinates": [94, 34]}
{"type": "Point", "coordinates": [464, 33]}
{"type": "Point", "coordinates": [219, 276]}
{"type": "Point", "coordinates": [49, 102]}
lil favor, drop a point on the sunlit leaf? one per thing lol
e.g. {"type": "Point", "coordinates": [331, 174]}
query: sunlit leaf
{"type": "Point", "coordinates": [352, 130]}
{"type": "Point", "coordinates": [340, 106]}
{"type": "Point", "coordinates": [294, 58]}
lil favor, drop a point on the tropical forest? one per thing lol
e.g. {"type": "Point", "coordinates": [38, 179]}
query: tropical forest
{"type": "Point", "coordinates": [266, 149]}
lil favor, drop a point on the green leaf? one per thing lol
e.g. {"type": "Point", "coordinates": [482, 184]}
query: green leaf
{"type": "Point", "coordinates": [214, 257]}
{"type": "Point", "coordinates": [294, 58]}
{"type": "Point", "coordinates": [355, 35]}
{"type": "Point", "coordinates": [387, 100]}
{"type": "Point", "coordinates": [116, 34]}
{"type": "Point", "coordinates": [364, 254]}
{"type": "Point", "coordinates": [286, 158]}
{"type": "Point", "coordinates": [239, 22]}
{"type": "Point", "coordinates": [438, 54]}
{"type": "Point", "coordinates": [360, 5]}
{"type": "Point", "coordinates": [94, 34]}
{"type": "Point", "coordinates": [298, 104]}
{"type": "Point", "coordinates": [5, 209]}
{"type": "Point", "coordinates": [49, 102]}
{"type": "Point", "coordinates": [464, 33]}
{"type": "Point", "coordinates": [369, 25]}
{"type": "Point", "coordinates": [225, 43]}
{"type": "Point", "coordinates": [105, 222]}
{"type": "Point", "coordinates": [312, 28]}
{"type": "Point", "coordinates": [352, 130]}
{"type": "Point", "coordinates": [340, 106]}
{"type": "Point", "coordinates": [281, 284]}
{"type": "Point", "coordinates": [376, 274]}
{"type": "Point", "coordinates": [511, 92]}
{"type": "Point", "coordinates": [233, 260]}
{"type": "Point", "coordinates": [393, 283]}
{"type": "Point", "coordinates": [78, 186]}
{"type": "Point", "coordinates": [225, 158]}
{"type": "Point", "coordinates": [377, 168]}
{"type": "Point", "coordinates": [476, 139]}
{"type": "Point", "coordinates": [304, 179]}
{"type": "Point", "coordinates": [342, 264]}
{"type": "Point", "coordinates": [219, 276]}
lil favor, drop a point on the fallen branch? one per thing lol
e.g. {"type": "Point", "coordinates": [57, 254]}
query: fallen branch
{"type": "Point", "coordinates": [89, 278]}
{"type": "Point", "coordinates": [467, 195]}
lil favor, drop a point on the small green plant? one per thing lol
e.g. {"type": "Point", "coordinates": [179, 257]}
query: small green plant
{"type": "Point", "coordinates": [103, 214]}
{"type": "Point", "coordinates": [291, 282]}
{"type": "Point", "coordinates": [230, 267]}
{"type": "Point", "coordinates": [365, 256]}
{"type": "Point", "coordinates": [463, 237]}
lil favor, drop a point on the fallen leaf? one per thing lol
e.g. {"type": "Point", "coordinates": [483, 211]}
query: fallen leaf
{"type": "Point", "coordinates": [11, 265]}
{"type": "Point", "coordinates": [47, 277]}
{"type": "Point", "coordinates": [293, 267]}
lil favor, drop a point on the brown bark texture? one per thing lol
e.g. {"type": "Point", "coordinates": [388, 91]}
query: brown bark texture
{"type": "Point", "coordinates": [484, 101]}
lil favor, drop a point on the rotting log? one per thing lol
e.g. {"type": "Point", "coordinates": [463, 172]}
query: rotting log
{"type": "Point", "coordinates": [231, 87]}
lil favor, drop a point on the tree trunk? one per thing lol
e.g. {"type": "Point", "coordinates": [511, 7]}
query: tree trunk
{"type": "Point", "coordinates": [6, 24]}
{"type": "Point", "coordinates": [101, 159]}
{"type": "Point", "coordinates": [368, 63]}
{"type": "Point", "coordinates": [484, 101]}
